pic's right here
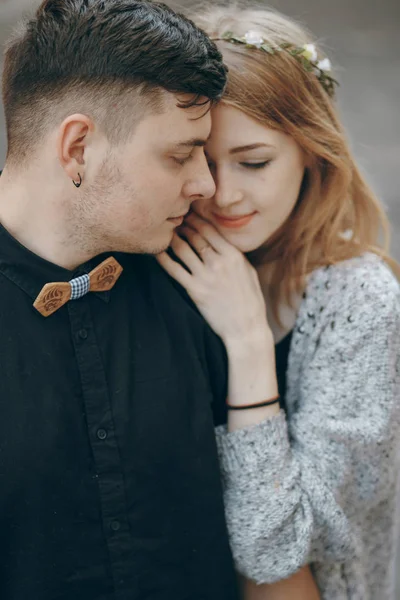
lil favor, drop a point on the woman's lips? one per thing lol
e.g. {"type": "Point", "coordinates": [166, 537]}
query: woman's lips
{"type": "Point", "coordinates": [233, 222]}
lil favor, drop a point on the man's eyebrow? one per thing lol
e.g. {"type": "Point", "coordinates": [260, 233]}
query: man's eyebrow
{"type": "Point", "coordinates": [194, 142]}
{"type": "Point", "coordinates": [249, 147]}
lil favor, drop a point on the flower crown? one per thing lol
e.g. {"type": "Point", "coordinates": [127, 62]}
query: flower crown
{"type": "Point", "coordinates": [306, 55]}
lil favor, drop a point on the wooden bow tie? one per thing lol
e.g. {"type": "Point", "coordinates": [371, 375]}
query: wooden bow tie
{"type": "Point", "coordinates": [54, 295]}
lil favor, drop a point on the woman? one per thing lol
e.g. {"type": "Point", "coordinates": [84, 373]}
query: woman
{"type": "Point", "coordinates": [312, 313]}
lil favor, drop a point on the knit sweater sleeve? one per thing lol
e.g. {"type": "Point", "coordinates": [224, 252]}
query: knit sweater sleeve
{"type": "Point", "coordinates": [295, 487]}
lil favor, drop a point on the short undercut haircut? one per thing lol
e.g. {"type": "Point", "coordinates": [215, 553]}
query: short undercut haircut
{"type": "Point", "coordinates": [109, 59]}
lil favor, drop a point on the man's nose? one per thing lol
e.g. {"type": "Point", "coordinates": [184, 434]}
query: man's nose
{"type": "Point", "coordinates": [201, 186]}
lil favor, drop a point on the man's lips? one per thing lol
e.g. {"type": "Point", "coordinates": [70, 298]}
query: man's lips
{"type": "Point", "coordinates": [234, 222]}
{"type": "Point", "coordinates": [178, 220]}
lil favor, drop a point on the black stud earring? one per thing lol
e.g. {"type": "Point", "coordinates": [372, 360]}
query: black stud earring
{"type": "Point", "coordinates": [78, 185]}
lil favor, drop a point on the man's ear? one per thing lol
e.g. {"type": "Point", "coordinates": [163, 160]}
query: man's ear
{"type": "Point", "coordinates": [71, 144]}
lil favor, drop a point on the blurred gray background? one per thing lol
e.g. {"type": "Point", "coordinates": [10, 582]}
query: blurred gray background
{"type": "Point", "coordinates": [362, 38]}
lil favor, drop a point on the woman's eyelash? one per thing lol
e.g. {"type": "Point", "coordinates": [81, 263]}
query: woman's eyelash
{"type": "Point", "coordinates": [259, 165]}
{"type": "Point", "coordinates": [247, 165]}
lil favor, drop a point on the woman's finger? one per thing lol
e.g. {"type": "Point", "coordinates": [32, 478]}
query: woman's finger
{"type": "Point", "coordinates": [202, 247]}
{"type": "Point", "coordinates": [175, 270]}
{"type": "Point", "coordinates": [183, 250]}
{"type": "Point", "coordinates": [210, 234]}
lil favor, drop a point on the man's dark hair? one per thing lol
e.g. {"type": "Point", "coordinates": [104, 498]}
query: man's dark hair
{"type": "Point", "coordinates": [110, 59]}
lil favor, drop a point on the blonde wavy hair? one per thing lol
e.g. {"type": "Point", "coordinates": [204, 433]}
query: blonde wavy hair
{"type": "Point", "coordinates": [337, 215]}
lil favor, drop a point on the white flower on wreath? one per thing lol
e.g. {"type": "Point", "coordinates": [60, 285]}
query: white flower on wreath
{"type": "Point", "coordinates": [310, 52]}
{"type": "Point", "coordinates": [253, 38]}
{"type": "Point", "coordinates": [325, 65]}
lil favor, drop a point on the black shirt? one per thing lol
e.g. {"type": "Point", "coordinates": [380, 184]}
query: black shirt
{"type": "Point", "coordinates": [109, 480]}
{"type": "Point", "coordinates": [282, 350]}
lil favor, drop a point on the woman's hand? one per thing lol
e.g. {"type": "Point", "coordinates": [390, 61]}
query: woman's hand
{"type": "Point", "coordinates": [300, 586]}
{"type": "Point", "coordinates": [220, 281]}
{"type": "Point", "coordinates": [226, 290]}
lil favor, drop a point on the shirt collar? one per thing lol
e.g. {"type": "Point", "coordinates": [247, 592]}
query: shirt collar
{"type": "Point", "coordinates": [30, 272]}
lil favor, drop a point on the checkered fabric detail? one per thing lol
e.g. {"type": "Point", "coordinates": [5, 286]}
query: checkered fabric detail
{"type": "Point", "coordinates": [79, 286]}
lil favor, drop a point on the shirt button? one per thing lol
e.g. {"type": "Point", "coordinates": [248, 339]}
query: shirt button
{"type": "Point", "coordinates": [102, 434]}
{"type": "Point", "coordinates": [83, 334]}
{"type": "Point", "coordinates": [115, 525]}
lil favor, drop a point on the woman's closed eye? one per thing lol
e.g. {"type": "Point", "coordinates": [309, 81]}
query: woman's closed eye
{"type": "Point", "coordinates": [245, 164]}
{"type": "Point", "coordinates": [255, 165]}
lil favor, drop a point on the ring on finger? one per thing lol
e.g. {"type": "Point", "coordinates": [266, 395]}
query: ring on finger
{"type": "Point", "coordinates": [204, 248]}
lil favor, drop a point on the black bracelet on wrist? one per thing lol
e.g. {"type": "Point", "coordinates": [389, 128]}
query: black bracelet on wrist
{"type": "Point", "coordinates": [246, 406]}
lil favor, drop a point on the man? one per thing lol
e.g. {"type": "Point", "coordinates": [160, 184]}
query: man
{"type": "Point", "coordinates": [110, 383]}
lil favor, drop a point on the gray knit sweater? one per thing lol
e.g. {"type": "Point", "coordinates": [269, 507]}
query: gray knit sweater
{"type": "Point", "coordinates": [319, 484]}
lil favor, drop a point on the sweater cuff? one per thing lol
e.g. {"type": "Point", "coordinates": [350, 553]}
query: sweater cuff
{"type": "Point", "coordinates": [252, 448]}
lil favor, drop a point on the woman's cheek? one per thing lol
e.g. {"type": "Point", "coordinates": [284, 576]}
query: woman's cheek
{"type": "Point", "coordinates": [200, 208]}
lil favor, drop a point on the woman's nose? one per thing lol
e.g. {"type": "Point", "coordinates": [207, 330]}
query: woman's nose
{"type": "Point", "coordinates": [226, 192]}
